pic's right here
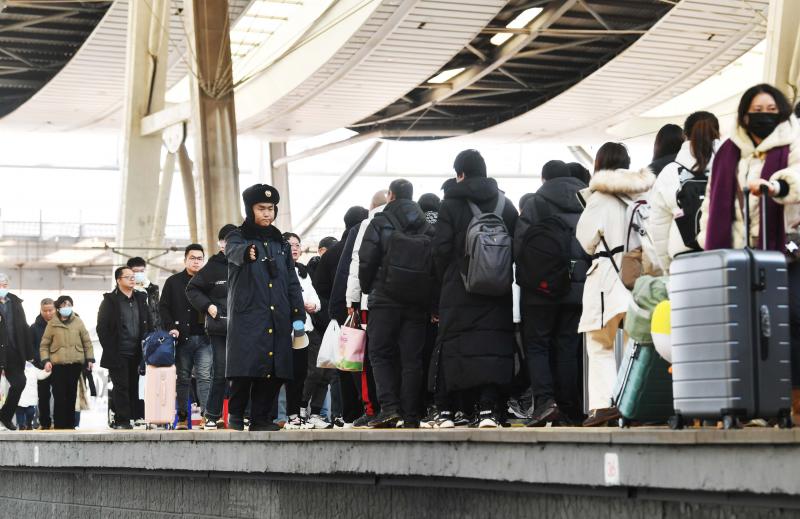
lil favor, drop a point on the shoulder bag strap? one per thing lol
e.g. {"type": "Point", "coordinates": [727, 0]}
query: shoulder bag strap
{"type": "Point", "coordinates": [474, 208]}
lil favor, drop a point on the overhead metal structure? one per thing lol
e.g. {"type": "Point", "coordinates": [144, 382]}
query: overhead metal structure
{"type": "Point", "coordinates": [37, 38]}
{"type": "Point", "coordinates": [498, 79]}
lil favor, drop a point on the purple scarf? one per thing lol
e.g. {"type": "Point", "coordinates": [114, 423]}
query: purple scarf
{"type": "Point", "coordinates": [723, 193]}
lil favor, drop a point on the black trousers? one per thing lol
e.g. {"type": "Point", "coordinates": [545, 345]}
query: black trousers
{"type": "Point", "coordinates": [259, 393]}
{"type": "Point", "coordinates": [65, 392]}
{"type": "Point", "coordinates": [550, 334]}
{"type": "Point", "coordinates": [219, 384]}
{"type": "Point", "coordinates": [125, 378]}
{"type": "Point", "coordinates": [396, 344]}
{"type": "Point", "coordinates": [15, 374]}
{"type": "Point", "coordinates": [294, 388]}
{"type": "Point", "coordinates": [317, 379]}
{"type": "Point", "coordinates": [44, 390]}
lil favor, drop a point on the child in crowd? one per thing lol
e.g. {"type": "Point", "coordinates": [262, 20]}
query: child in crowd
{"type": "Point", "coordinates": [26, 409]}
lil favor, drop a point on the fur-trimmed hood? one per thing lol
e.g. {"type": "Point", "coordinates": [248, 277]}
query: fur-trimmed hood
{"type": "Point", "coordinates": [622, 181]}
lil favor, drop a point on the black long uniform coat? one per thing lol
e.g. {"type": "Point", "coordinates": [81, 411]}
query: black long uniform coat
{"type": "Point", "coordinates": [261, 307]}
{"type": "Point", "coordinates": [476, 332]}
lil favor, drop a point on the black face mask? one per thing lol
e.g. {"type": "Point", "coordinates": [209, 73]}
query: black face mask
{"type": "Point", "coordinates": [762, 124]}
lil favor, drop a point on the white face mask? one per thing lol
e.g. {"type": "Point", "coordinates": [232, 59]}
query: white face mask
{"type": "Point", "coordinates": [3, 292]}
{"type": "Point", "coordinates": [140, 277]}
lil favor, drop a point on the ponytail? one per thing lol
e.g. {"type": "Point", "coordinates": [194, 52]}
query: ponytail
{"type": "Point", "coordinates": [702, 128]}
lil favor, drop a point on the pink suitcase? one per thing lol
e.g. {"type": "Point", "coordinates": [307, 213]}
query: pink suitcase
{"type": "Point", "coordinates": [159, 395]}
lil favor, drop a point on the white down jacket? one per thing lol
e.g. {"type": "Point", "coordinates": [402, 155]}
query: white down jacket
{"type": "Point", "coordinates": [750, 165]}
{"type": "Point", "coordinates": [609, 194]}
{"type": "Point", "coordinates": [663, 205]}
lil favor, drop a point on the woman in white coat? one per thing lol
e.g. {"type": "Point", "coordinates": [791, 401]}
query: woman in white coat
{"type": "Point", "coordinates": [693, 160]}
{"type": "Point", "coordinates": [601, 231]}
{"type": "Point", "coordinates": [764, 150]}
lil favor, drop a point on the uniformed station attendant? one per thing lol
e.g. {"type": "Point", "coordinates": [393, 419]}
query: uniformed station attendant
{"type": "Point", "coordinates": [265, 304]}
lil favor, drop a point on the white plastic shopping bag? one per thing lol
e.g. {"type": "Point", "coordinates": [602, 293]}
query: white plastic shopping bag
{"type": "Point", "coordinates": [329, 348]}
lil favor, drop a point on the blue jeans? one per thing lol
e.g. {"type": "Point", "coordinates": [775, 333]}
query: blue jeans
{"type": "Point", "coordinates": [193, 354]}
{"type": "Point", "coordinates": [25, 417]}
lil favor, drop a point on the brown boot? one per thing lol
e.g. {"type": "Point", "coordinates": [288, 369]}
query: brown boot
{"type": "Point", "coordinates": [796, 405]}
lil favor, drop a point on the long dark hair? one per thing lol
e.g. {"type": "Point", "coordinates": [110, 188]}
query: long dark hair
{"type": "Point", "coordinates": [669, 140]}
{"type": "Point", "coordinates": [784, 108]}
{"type": "Point", "coordinates": [612, 155]}
{"type": "Point", "coordinates": [702, 128]}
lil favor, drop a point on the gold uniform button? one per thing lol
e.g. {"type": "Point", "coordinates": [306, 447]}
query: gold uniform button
{"type": "Point", "coordinates": [272, 308]}
{"type": "Point", "coordinates": [270, 354]}
{"type": "Point", "coordinates": [269, 331]}
{"type": "Point", "coordinates": [296, 310]}
{"type": "Point", "coordinates": [270, 285]}
{"type": "Point", "coordinates": [269, 376]}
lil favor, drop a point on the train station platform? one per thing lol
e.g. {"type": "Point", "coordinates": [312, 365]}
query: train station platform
{"type": "Point", "coordinates": [563, 472]}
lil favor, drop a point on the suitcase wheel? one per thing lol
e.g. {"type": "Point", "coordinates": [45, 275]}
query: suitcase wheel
{"type": "Point", "coordinates": [730, 422]}
{"type": "Point", "coordinates": [676, 422]}
{"type": "Point", "coordinates": [785, 421]}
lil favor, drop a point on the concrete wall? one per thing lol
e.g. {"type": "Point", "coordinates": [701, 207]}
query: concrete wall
{"type": "Point", "coordinates": [88, 495]}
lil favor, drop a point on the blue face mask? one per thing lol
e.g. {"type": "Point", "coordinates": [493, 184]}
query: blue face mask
{"type": "Point", "coordinates": [139, 277]}
{"type": "Point", "coordinates": [3, 292]}
{"type": "Point", "coordinates": [65, 311]}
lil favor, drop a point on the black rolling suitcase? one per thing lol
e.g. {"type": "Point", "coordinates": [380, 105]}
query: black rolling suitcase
{"type": "Point", "coordinates": [730, 335]}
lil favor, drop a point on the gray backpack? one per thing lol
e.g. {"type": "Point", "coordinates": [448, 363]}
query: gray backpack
{"type": "Point", "coordinates": [488, 252]}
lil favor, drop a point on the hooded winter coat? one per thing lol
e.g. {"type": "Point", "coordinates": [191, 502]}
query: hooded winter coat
{"type": "Point", "coordinates": [749, 168]}
{"type": "Point", "coordinates": [354, 293]}
{"type": "Point", "coordinates": [261, 306]}
{"type": "Point", "coordinates": [663, 204]}
{"type": "Point", "coordinates": [66, 342]}
{"type": "Point", "coordinates": [607, 199]}
{"type": "Point", "coordinates": [558, 196]}
{"type": "Point", "coordinates": [376, 240]}
{"type": "Point", "coordinates": [476, 333]}
{"type": "Point", "coordinates": [37, 331]}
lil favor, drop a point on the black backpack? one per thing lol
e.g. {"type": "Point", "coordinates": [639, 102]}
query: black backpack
{"type": "Point", "coordinates": [408, 265]}
{"type": "Point", "coordinates": [690, 198]}
{"type": "Point", "coordinates": [551, 257]}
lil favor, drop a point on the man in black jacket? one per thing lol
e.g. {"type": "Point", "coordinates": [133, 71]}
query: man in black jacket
{"type": "Point", "coordinates": [397, 324]}
{"type": "Point", "coordinates": [16, 347]}
{"type": "Point", "coordinates": [123, 321]}
{"type": "Point", "coordinates": [550, 325]}
{"type": "Point", "coordinates": [138, 266]}
{"type": "Point", "coordinates": [475, 349]}
{"type": "Point", "coordinates": [47, 310]}
{"type": "Point", "coordinates": [208, 294]}
{"type": "Point", "coordinates": [187, 325]}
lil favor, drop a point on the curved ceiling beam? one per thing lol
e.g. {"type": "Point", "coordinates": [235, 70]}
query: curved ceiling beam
{"type": "Point", "coordinates": [475, 73]}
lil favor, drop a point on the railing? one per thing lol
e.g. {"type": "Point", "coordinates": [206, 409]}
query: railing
{"type": "Point", "coordinates": [48, 230]}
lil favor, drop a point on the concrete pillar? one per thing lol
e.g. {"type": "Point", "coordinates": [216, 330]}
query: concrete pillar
{"type": "Point", "coordinates": [189, 191]}
{"type": "Point", "coordinates": [145, 86]}
{"type": "Point", "coordinates": [783, 46]}
{"type": "Point", "coordinates": [280, 179]}
{"type": "Point", "coordinates": [214, 120]}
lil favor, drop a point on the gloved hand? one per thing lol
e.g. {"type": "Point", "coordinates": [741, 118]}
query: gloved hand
{"type": "Point", "coordinates": [299, 327]}
{"type": "Point", "coordinates": [250, 254]}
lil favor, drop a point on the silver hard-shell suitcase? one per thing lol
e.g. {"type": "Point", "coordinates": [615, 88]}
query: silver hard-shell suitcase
{"type": "Point", "coordinates": [730, 336]}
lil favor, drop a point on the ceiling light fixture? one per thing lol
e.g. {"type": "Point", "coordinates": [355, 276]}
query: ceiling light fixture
{"type": "Point", "coordinates": [521, 21]}
{"type": "Point", "coordinates": [447, 75]}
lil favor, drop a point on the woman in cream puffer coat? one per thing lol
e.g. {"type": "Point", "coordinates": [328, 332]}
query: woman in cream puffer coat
{"type": "Point", "coordinates": [697, 153]}
{"type": "Point", "coordinates": [605, 298]}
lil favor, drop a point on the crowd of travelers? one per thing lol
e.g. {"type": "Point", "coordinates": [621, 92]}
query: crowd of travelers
{"type": "Point", "coordinates": [474, 311]}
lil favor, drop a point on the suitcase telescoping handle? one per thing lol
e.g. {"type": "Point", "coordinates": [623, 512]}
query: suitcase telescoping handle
{"type": "Point", "coordinates": [762, 195]}
{"type": "Point", "coordinates": [760, 281]}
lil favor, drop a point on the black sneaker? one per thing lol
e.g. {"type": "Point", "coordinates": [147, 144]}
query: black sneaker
{"type": "Point", "coordinates": [462, 420]}
{"type": "Point", "coordinates": [122, 426]}
{"type": "Point", "coordinates": [544, 414]}
{"type": "Point", "coordinates": [8, 424]}
{"type": "Point", "coordinates": [488, 419]}
{"type": "Point", "coordinates": [384, 420]}
{"type": "Point", "coordinates": [363, 421]}
{"type": "Point", "coordinates": [235, 423]}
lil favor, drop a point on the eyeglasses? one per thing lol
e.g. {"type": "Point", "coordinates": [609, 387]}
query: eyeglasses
{"type": "Point", "coordinates": [195, 258]}
{"type": "Point", "coordinates": [129, 278]}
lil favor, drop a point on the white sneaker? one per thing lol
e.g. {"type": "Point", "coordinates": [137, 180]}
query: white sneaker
{"type": "Point", "coordinates": [210, 425]}
{"type": "Point", "coordinates": [444, 420]}
{"type": "Point", "coordinates": [296, 423]}
{"type": "Point", "coordinates": [488, 421]}
{"type": "Point", "coordinates": [318, 422]}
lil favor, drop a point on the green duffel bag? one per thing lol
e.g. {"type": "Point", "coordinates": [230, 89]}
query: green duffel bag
{"type": "Point", "coordinates": [645, 393]}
